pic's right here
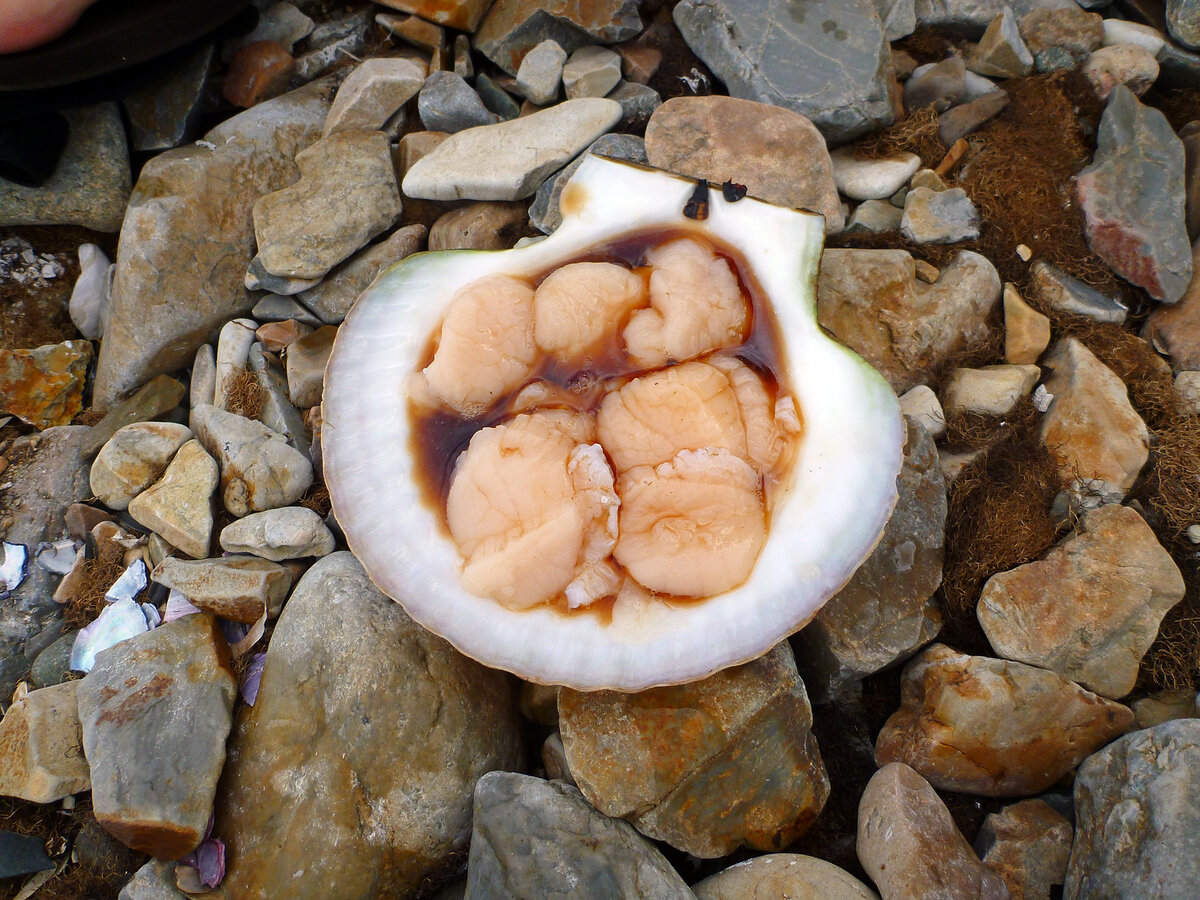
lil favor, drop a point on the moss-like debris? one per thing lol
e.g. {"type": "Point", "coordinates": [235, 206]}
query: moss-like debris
{"type": "Point", "coordinates": [244, 395]}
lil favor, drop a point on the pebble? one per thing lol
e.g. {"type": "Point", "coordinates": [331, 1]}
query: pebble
{"type": "Point", "coordinates": [513, 28]}
{"type": "Point", "coordinates": [910, 847]}
{"type": "Point", "coordinates": [778, 154]}
{"type": "Point", "coordinates": [921, 403]}
{"type": "Point", "coordinates": [1132, 197]}
{"type": "Point", "coordinates": [540, 72]}
{"type": "Point", "coordinates": [638, 104]}
{"type": "Point", "coordinates": [258, 71]}
{"type": "Point", "coordinates": [496, 99]}
{"type": "Point", "coordinates": [590, 72]}
{"type": "Point", "coordinates": [156, 710]}
{"type": "Point", "coordinates": [926, 323]}
{"type": "Point", "coordinates": [278, 413]}
{"type": "Point", "coordinates": [259, 470]}
{"type": "Point", "coordinates": [1126, 64]}
{"type": "Point", "coordinates": [510, 160]}
{"type": "Point", "coordinates": [926, 178]}
{"type": "Point", "coordinates": [939, 217]}
{"type": "Point", "coordinates": [280, 308]}
{"type": "Point", "coordinates": [1091, 608]}
{"type": "Point", "coordinates": [1027, 844]}
{"type": "Point", "coordinates": [989, 391]}
{"type": "Point", "coordinates": [480, 226]}
{"type": "Point", "coordinates": [940, 85]}
{"type": "Point", "coordinates": [233, 352]}
{"type": "Point", "coordinates": [52, 666]}
{"type": "Point", "coordinates": [190, 237]}
{"type": "Point", "coordinates": [579, 851]}
{"type": "Point", "coordinates": [965, 118]}
{"type": "Point", "coordinates": [463, 64]}
{"type": "Point", "coordinates": [1061, 38]}
{"type": "Point", "coordinates": [415, 145]}
{"type": "Point", "coordinates": [153, 881]}
{"type": "Point", "coordinates": [705, 767]}
{"type": "Point", "coordinates": [346, 195]}
{"type": "Point", "coordinates": [237, 588]}
{"type": "Point", "coordinates": [358, 703]}
{"type": "Point", "coordinates": [1026, 331]}
{"type": "Point", "coordinates": [41, 746]}
{"type": "Point", "coordinates": [1001, 52]}
{"type": "Point", "coordinates": [89, 298]}
{"type": "Point", "coordinates": [639, 61]}
{"type": "Point", "coordinates": [782, 875]}
{"type": "Point", "coordinates": [276, 337]}
{"type": "Point", "coordinates": [872, 179]}
{"type": "Point", "coordinates": [43, 387]}
{"type": "Point", "coordinates": [1187, 392]}
{"type": "Point", "coordinates": [373, 92]}
{"type": "Point", "coordinates": [202, 388]}
{"type": "Point", "coordinates": [1098, 438]}
{"type": "Point", "coordinates": [306, 366]}
{"type": "Point", "coordinates": [887, 610]}
{"type": "Point", "coordinates": [178, 507]}
{"type": "Point", "coordinates": [90, 186]}
{"type": "Point", "coordinates": [992, 727]}
{"type": "Point", "coordinates": [1175, 330]}
{"type": "Point", "coordinates": [1118, 31]}
{"type": "Point", "coordinates": [876, 216]}
{"type": "Point", "coordinates": [332, 299]}
{"type": "Point", "coordinates": [133, 459]}
{"type": "Point", "coordinates": [291, 532]}
{"type": "Point", "coordinates": [1137, 817]}
{"type": "Point", "coordinates": [554, 760]}
{"type": "Point", "coordinates": [447, 103]}
{"type": "Point", "coordinates": [786, 60]}
{"type": "Point", "coordinates": [1183, 22]}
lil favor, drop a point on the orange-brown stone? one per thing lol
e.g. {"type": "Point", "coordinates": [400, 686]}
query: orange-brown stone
{"type": "Point", "coordinates": [44, 386]}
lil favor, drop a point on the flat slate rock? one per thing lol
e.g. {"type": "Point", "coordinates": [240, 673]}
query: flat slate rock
{"type": "Point", "coordinates": [512, 28]}
{"type": "Point", "coordinates": [826, 59]}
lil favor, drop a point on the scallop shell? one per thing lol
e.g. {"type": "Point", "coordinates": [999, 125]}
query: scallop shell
{"type": "Point", "coordinates": [843, 481]}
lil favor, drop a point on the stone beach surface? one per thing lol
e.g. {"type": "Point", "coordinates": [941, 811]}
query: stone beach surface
{"type": "Point", "coordinates": [203, 693]}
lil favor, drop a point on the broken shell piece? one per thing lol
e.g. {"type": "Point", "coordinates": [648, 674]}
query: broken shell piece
{"type": "Point", "coordinates": [207, 862]}
{"type": "Point", "coordinates": [12, 570]}
{"type": "Point", "coordinates": [131, 583]}
{"type": "Point", "coordinates": [58, 557]}
{"type": "Point", "coordinates": [843, 432]}
{"type": "Point", "coordinates": [178, 606]}
{"type": "Point", "coordinates": [252, 678]}
{"type": "Point", "coordinates": [119, 621]}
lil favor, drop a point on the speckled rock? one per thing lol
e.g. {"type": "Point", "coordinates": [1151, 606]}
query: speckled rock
{"type": "Point", "coordinates": [1137, 817]}
{"type": "Point", "coordinates": [374, 727]}
{"type": "Point", "coordinates": [178, 507]}
{"type": "Point", "coordinates": [789, 875]}
{"type": "Point", "coordinates": [133, 459]}
{"type": "Point", "coordinates": [1183, 22]}
{"type": "Point", "coordinates": [1091, 427]}
{"type": "Point", "coordinates": [776, 153]}
{"type": "Point", "coordinates": [238, 588]}
{"type": "Point", "coordinates": [535, 838]}
{"type": "Point", "coordinates": [278, 534]}
{"type": "Point", "coordinates": [887, 611]}
{"type": "Point", "coordinates": [707, 766]}
{"type": "Point", "coordinates": [1001, 52]}
{"type": "Point", "coordinates": [1028, 845]}
{"type": "Point", "coordinates": [910, 847]}
{"type": "Point", "coordinates": [44, 387]}
{"type": "Point", "coordinates": [1061, 38]}
{"type": "Point", "coordinates": [991, 727]}
{"type": "Point", "coordinates": [1125, 64]}
{"type": "Point", "coordinates": [41, 746]}
{"type": "Point", "coordinates": [480, 226]}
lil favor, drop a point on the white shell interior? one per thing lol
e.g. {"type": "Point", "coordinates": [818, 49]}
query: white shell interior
{"type": "Point", "coordinates": [843, 481]}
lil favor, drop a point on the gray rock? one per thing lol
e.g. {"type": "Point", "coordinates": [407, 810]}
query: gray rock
{"type": "Point", "coordinates": [1001, 52]}
{"type": "Point", "coordinates": [910, 847]}
{"type": "Point", "coordinates": [41, 747]}
{"type": "Point", "coordinates": [259, 470]}
{"type": "Point", "coordinates": [512, 28]}
{"type": "Point", "coordinates": [509, 161]}
{"type": "Point", "coordinates": [534, 838]}
{"type": "Point", "coordinates": [153, 881]}
{"type": "Point", "coordinates": [1028, 845]}
{"type": "Point", "coordinates": [238, 588]}
{"type": "Point", "coordinates": [155, 399]}
{"type": "Point", "coordinates": [1061, 38]}
{"type": "Point", "coordinates": [91, 183]}
{"type": "Point", "coordinates": [277, 307]}
{"type": "Point", "coordinates": [156, 710]}
{"type": "Point", "coordinates": [1183, 22]}
{"type": "Point", "coordinates": [887, 611]}
{"type": "Point", "coordinates": [447, 103]}
{"type": "Point", "coordinates": [178, 507]}
{"type": "Point", "coordinates": [1132, 197]}
{"type": "Point", "coordinates": [373, 92]}
{"type": "Point", "coordinates": [282, 23]}
{"type": "Point", "coordinates": [278, 412]}
{"type": "Point", "coordinates": [22, 854]}
{"type": "Point", "coordinates": [53, 664]}
{"type": "Point", "coordinates": [44, 483]}
{"type": "Point", "coordinates": [939, 217]}
{"type": "Point", "coordinates": [1177, 68]}
{"type": "Point", "coordinates": [876, 216]}
{"type": "Point", "coordinates": [1061, 292]}
{"type": "Point", "coordinates": [828, 61]}
{"type": "Point", "coordinates": [1137, 815]}
{"type": "Point", "coordinates": [165, 112]}
{"type": "Point", "coordinates": [377, 730]}
{"type": "Point", "coordinates": [540, 73]}
{"type": "Point", "coordinates": [544, 213]}
{"type": "Point", "coordinates": [346, 195]}
{"type": "Point", "coordinates": [332, 42]}
{"type": "Point", "coordinates": [591, 72]}
{"type": "Point", "coordinates": [496, 99]}
{"type": "Point", "coordinates": [332, 298]}
{"type": "Point", "coordinates": [202, 390]}
{"type": "Point", "coordinates": [899, 18]}
{"type": "Point", "coordinates": [940, 85]}
{"type": "Point", "coordinates": [189, 235]}
{"type": "Point", "coordinates": [259, 279]}
{"type": "Point", "coordinates": [638, 103]}
{"type": "Point", "coordinates": [966, 117]}
{"type": "Point", "coordinates": [291, 532]}
{"type": "Point", "coordinates": [971, 17]}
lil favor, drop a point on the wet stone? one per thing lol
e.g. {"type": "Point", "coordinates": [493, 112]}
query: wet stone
{"type": "Point", "coordinates": [534, 838]}
{"type": "Point", "coordinates": [44, 387]}
{"type": "Point", "coordinates": [991, 727]}
{"type": "Point", "coordinates": [279, 534]}
{"type": "Point", "coordinates": [41, 746]}
{"type": "Point", "coordinates": [178, 507]}
{"type": "Point", "coordinates": [1028, 845]}
{"type": "Point", "coordinates": [133, 459]}
{"type": "Point", "coordinates": [729, 760]}
{"type": "Point", "coordinates": [238, 588]}
{"type": "Point", "coordinates": [447, 103]}
{"type": "Point", "coordinates": [156, 710]}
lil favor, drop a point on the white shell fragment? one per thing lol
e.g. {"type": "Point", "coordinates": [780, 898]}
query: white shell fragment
{"type": "Point", "coordinates": [12, 570]}
{"type": "Point", "coordinates": [825, 518]}
{"type": "Point", "coordinates": [58, 557]}
{"type": "Point", "coordinates": [118, 622]}
{"type": "Point", "coordinates": [131, 583]}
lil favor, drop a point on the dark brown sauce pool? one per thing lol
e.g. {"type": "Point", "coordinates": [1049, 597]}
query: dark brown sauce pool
{"type": "Point", "coordinates": [439, 436]}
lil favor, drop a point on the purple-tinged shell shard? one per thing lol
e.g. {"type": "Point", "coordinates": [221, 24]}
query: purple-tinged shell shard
{"type": "Point", "coordinates": [253, 678]}
{"type": "Point", "coordinates": [119, 621]}
{"type": "Point", "coordinates": [12, 570]}
{"type": "Point", "coordinates": [131, 583]}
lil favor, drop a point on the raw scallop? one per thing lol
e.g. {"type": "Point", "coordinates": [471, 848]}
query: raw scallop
{"type": "Point", "coordinates": [577, 308]}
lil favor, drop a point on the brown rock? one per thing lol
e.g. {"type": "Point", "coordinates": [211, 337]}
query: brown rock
{"type": "Point", "coordinates": [991, 727]}
{"type": "Point", "coordinates": [133, 459]}
{"type": "Point", "coordinates": [41, 746]}
{"type": "Point", "coordinates": [1091, 609]}
{"type": "Point", "coordinates": [258, 72]}
{"type": "Point", "coordinates": [1069, 30]}
{"type": "Point", "coordinates": [512, 28]}
{"type": "Point", "coordinates": [239, 588]}
{"type": "Point", "coordinates": [306, 366]}
{"type": "Point", "coordinates": [989, 391]}
{"type": "Point", "coordinates": [872, 301]}
{"type": "Point", "coordinates": [1164, 706]}
{"type": "Point", "coordinates": [887, 610]}
{"type": "Point", "coordinates": [783, 875]}
{"type": "Point", "coordinates": [966, 117]}
{"type": "Point", "coordinates": [1175, 329]}
{"type": "Point", "coordinates": [1090, 427]}
{"type": "Point", "coordinates": [81, 519]}
{"type": "Point", "coordinates": [461, 14]}
{"type": "Point", "coordinates": [1028, 845]}
{"type": "Point", "coordinates": [707, 766]}
{"type": "Point", "coordinates": [481, 226]}
{"type": "Point", "coordinates": [44, 387]}
{"type": "Point", "coordinates": [155, 398]}
{"type": "Point", "coordinates": [911, 848]}
{"type": "Point", "coordinates": [277, 336]}
{"type": "Point", "coordinates": [777, 153]}
{"type": "Point", "coordinates": [639, 62]}
{"type": "Point", "coordinates": [1026, 331]}
{"type": "Point", "coordinates": [415, 145]}
{"type": "Point", "coordinates": [178, 507]}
